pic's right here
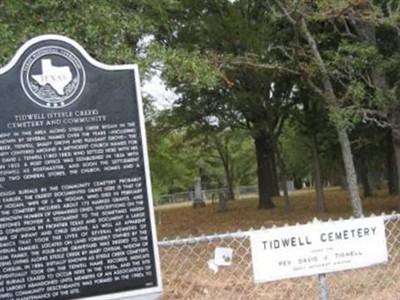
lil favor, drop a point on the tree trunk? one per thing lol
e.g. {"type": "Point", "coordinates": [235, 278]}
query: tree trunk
{"type": "Point", "coordinates": [332, 101]}
{"type": "Point", "coordinates": [367, 31]}
{"type": "Point", "coordinates": [393, 182]}
{"type": "Point", "coordinates": [351, 176]}
{"type": "Point", "coordinates": [222, 202]}
{"type": "Point", "coordinates": [363, 172]}
{"type": "Point", "coordinates": [330, 97]}
{"type": "Point", "coordinates": [395, 124]}
{"type": "Point", "coordinates": [282, 177]}
{"type": "Point", "coordinates": [396, 146]}
{"type": "Point", "coordinates": [227, 163]}
{"type": "Point", "coordinates": [319, 190]}
{"type": "Point", "coordinates": [274, 173]}
{"type": "Point", "coordinates": [265, 185]}
{"type": "Point", "coordinates": [229, 184]}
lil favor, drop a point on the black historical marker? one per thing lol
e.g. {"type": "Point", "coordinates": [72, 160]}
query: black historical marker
{"type": "Point", "coordinates": [76, 212]}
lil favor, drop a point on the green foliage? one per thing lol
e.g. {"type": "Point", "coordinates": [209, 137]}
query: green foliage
{"type": "Point", "coordinates": [385, 100]}
{"type": "Point", "coordinates": [177, 156]}
{"type": "Point", "coordinates": [191, 69]}
{"type": "Point", "coordinates": [345, 117]}
{"type": "Point", "coordinates": [242, 146]}
{"type": "Point", "coordinates": [352, 58]}
{"type": "Point", "coordinates": [108, 29]}
{"type": "Point", "coordinates": [295, 151]}
{"type": "Point", "coordinates": [356, 93]}
{"type": "Point", "coordinates": [235, 149]}
{"type": "Point", "coordinates": [173, 164]}
{"type": "Point", "coordinates": [234, 64]}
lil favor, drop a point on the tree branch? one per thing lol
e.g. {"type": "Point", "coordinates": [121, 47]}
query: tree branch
{"type": "Point", "coordinates": [283, 51]}
{"type": "Point", "coordinates": [287, 14]}
{"type": "Point", "coordinates": [377, 117]}
{"type": "Point", "coordinates": [264, 66]}
{"type": "Point", "coordinates": [315, 87]}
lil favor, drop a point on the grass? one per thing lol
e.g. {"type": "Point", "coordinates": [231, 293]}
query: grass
{"type": "Point", "coordinates": [183, 220]}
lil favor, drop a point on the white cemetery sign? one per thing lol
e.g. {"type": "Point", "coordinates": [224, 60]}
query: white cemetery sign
{"type": "Point", "coordinates": [317, 248]}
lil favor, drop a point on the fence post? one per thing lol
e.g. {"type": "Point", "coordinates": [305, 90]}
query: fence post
{"type": "Point", "coordinates": [323, 286]}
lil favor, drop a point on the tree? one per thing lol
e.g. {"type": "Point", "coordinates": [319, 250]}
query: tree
{"type": "Point", "coordinates": [369, 33]}
{"type": "Point", "coordinates": [110, 31]}
{"type": "Point", "coordinates": [314, 68]}
{"type": "Point", "coordinates": [382, 25]}
{"type": "Point", "coordinates": [295, 151]}
{"type": "Point", "coordinates": [173, 164]}
{"type": "Point", "coordinates": [308, 129]}
{"type": "Point", "coordinates": [393, 182]}
{"type": "Point", "coordinates": [252, 92]}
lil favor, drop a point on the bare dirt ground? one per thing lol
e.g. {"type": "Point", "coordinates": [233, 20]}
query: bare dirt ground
{"type": "Point", "coordinates": [186, 276]}
{"type": "Point", "coordinates": [185, 270]}
{"type": "Point", "coordinates": [182, 220]}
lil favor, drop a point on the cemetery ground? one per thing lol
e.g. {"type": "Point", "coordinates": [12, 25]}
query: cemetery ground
{"type": "Point", "coordinates": [182, 220]}
{"type": "Point", "coordinates": [187, 276]}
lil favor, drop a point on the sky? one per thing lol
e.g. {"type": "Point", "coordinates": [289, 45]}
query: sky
{"type": "Point", "coordinates": [156, 88]}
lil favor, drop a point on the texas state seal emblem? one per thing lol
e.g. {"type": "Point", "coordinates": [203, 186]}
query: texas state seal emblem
{"type": "Point", "coordinates": [53, 77]}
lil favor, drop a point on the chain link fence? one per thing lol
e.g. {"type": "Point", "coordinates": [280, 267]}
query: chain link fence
{"type": "Point", "coordinates": [187, 274]}
{"type": "Point", "coordinates": [208, 195]}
